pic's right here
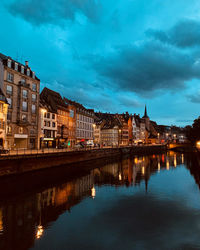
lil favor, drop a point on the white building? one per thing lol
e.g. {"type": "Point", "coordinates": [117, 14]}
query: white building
{"type": "Point", "coordinates": [48, 127]}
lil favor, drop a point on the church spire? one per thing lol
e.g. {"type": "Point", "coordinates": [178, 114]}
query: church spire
{"type": "Point", "coordinates": [145, 112]}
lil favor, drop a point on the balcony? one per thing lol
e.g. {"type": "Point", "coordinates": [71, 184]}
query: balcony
{"type": "Point", "coordinates": [24, 84]}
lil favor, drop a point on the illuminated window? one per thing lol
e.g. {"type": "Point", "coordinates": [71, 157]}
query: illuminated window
{"type": "Point", "coordinates": [9, 129]}
{"type": "Point", "coordinates": [21, 130]}
{"type": "Point", "coordinates": [24, 118]}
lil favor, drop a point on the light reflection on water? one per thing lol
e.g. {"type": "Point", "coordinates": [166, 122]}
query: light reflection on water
{"type": "Point", "coordinates": [148, 202]}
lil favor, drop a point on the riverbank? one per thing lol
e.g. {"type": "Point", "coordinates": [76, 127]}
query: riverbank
{"type": "Point", "coordinates": [18, 164]}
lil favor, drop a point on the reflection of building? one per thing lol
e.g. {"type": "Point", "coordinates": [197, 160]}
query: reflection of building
{"type": "Point", "coordinates": [21, 87]}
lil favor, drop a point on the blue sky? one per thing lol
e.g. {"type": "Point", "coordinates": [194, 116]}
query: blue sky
{"type": "Point", "coordinates": [111, 55]}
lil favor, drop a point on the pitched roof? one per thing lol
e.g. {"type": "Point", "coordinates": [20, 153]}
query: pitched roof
{"type": "Point", "coordinates": [4, 59]}
{"type": "Point", "coordinates": [53, 100]}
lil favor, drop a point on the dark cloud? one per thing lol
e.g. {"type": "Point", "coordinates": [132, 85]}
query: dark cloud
{"type": "Point", "coordinates": [54, 11]}
{"type": "Point", "coordinates": [184, 34]}
{"type": "Point", "coordinates": [129, 102]}
{"type": "Point", "coordinates": [147, 68]}
{"type": "Point", "coordinates": [194, 98]}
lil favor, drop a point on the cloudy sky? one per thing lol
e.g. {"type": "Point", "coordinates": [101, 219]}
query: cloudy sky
{"type": "Point", "coordinates": [111, 55]}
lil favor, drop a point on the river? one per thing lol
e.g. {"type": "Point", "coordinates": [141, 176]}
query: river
{"type": "Point", "coordinates": [144, 202]}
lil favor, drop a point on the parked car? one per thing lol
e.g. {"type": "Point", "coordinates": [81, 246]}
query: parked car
{"type": "Point", "coordinates": [78, 145]}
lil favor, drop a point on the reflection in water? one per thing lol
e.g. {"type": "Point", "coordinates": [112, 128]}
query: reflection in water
{"type": "Point", "coordinates": [23, 220]}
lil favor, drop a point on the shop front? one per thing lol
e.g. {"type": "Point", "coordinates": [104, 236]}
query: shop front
{"type": "Point", "coordinates": [20, 141]}
{"type": "Point", "coordinates": [47, 143]}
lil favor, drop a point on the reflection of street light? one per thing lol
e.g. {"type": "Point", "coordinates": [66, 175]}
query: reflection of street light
{"type": "Point", "coordinates": [39, 232]}
{"type": "Point", "coordinates": [120, 176]}
{"type": "Point", "coordinates": [158, 166]}
{"type": "Point", "coordinates": [93, 192]}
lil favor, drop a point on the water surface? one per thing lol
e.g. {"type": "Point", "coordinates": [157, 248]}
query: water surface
{"type": "Point", "coordinates": [145, 202]}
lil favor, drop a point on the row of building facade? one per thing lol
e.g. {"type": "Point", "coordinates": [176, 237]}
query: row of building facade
{"type": "Point", "coordinates": [30, 119]}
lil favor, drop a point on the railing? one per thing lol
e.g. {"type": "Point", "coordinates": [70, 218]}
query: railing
{"type": "Point", "coordinates": [56, 150]}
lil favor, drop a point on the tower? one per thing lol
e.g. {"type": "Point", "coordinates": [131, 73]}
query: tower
{"type": "Point", "coordinates": [146, 119]}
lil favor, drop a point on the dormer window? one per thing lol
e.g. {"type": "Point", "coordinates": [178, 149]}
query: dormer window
{"type": "Point", "coordinates": [33, 75]}
{"type": "Point", "coordinates": [9, 63]}
{"type": "Point", "coordinates": [22, 69]}
{"type": "Point", "coordinates": [28, 72]}
{"type": "Point", "coordinates": [16, 66]}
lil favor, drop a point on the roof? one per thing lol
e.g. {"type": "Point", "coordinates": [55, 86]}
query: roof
{"type": "Point", "coordinates": [77, 105]}
{"type": "Point", "coordinates": [53, 100]}
{"type": "Point", "coordinates": [108, 121]}
{"type": "Point", "coordinates": [4, 58]}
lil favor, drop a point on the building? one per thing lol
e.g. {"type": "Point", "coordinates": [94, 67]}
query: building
{"type": "Point", "coordinates": [47, 125]}
{"type": "Point", "coordinates": [72, 122]}
{"type": "Point", "coordinates": [107, 129]}
{"type": "Point", "coordinates": [84, 123]}
{"type": "Point", "coordinates": [58, 106]}
{"type": "Point", "coordinates": [3, 120]}
{"type": "Point", "coordinates": [21, 87]}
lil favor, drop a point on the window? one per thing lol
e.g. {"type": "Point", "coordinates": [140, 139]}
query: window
{"type": "Point", "coordinates": [21, 130]}
{"type": "Point", "coordinates": [71, 113]}
{"type": "Point", "coordinates": [53, 124]}
{"type": "Point", "coordinates": [9, 63]}
{"type": "Point", "coordinates": [24, 106]}
{"type": "Point", "coordinates": [33, 97]}
{"type": "Point", "coordinates": [24, 93]}
{"type": "Point", "coordinates": [22, 69]}
{"type": "Point", "coordinates": [33, 108]}
{"type": "Point", "coordinates": [23, 80]}
{"type": "Point", "coordinates": [10, 77]}
{"type": "Point", "coordinates": [48, 115]}
{"type": "Point", "coordinates": [34, 87]}
{"type": "Point", "coordinates": [1, 107]}
{"type": "Point", "coordinates": [53, 116]}
{"type": "Point", "coordinates": [28, 72]}
{"type": "Point", "coordinates": [24, 118]}
{"type": "Point", "coordinates": [10, 102]}
{"type": "Point", "coordinates": [9, 129]}
{"type": "Point", "coordinates": [9, 116]}
{"type": "Point", "coordinates": [33, 75]}
{"type": "Point", "coordinates": [16, 66]}
{"type": "Point", "coordinates": [9, 89]}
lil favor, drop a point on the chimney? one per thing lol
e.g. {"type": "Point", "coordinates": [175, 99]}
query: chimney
{"type": "Point", "coordinates": [26, 63]}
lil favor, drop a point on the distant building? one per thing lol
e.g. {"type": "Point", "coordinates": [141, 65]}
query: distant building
{"type": "Point", "coordinates": [108, 128]}
{"type": "Point", "coordinates": [21, 87]}
{"type": "Point", "coordinates": [84, 122]}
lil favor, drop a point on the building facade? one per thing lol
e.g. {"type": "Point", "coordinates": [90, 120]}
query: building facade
{"type": "Point", "coordinates": [60, 108]}
{"type": "Point", "coordinates": [21, 87]}
{"type": "Point", "coordinates": [48, 126]}
{"type": "Point", "coordinates": [3, 120]}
